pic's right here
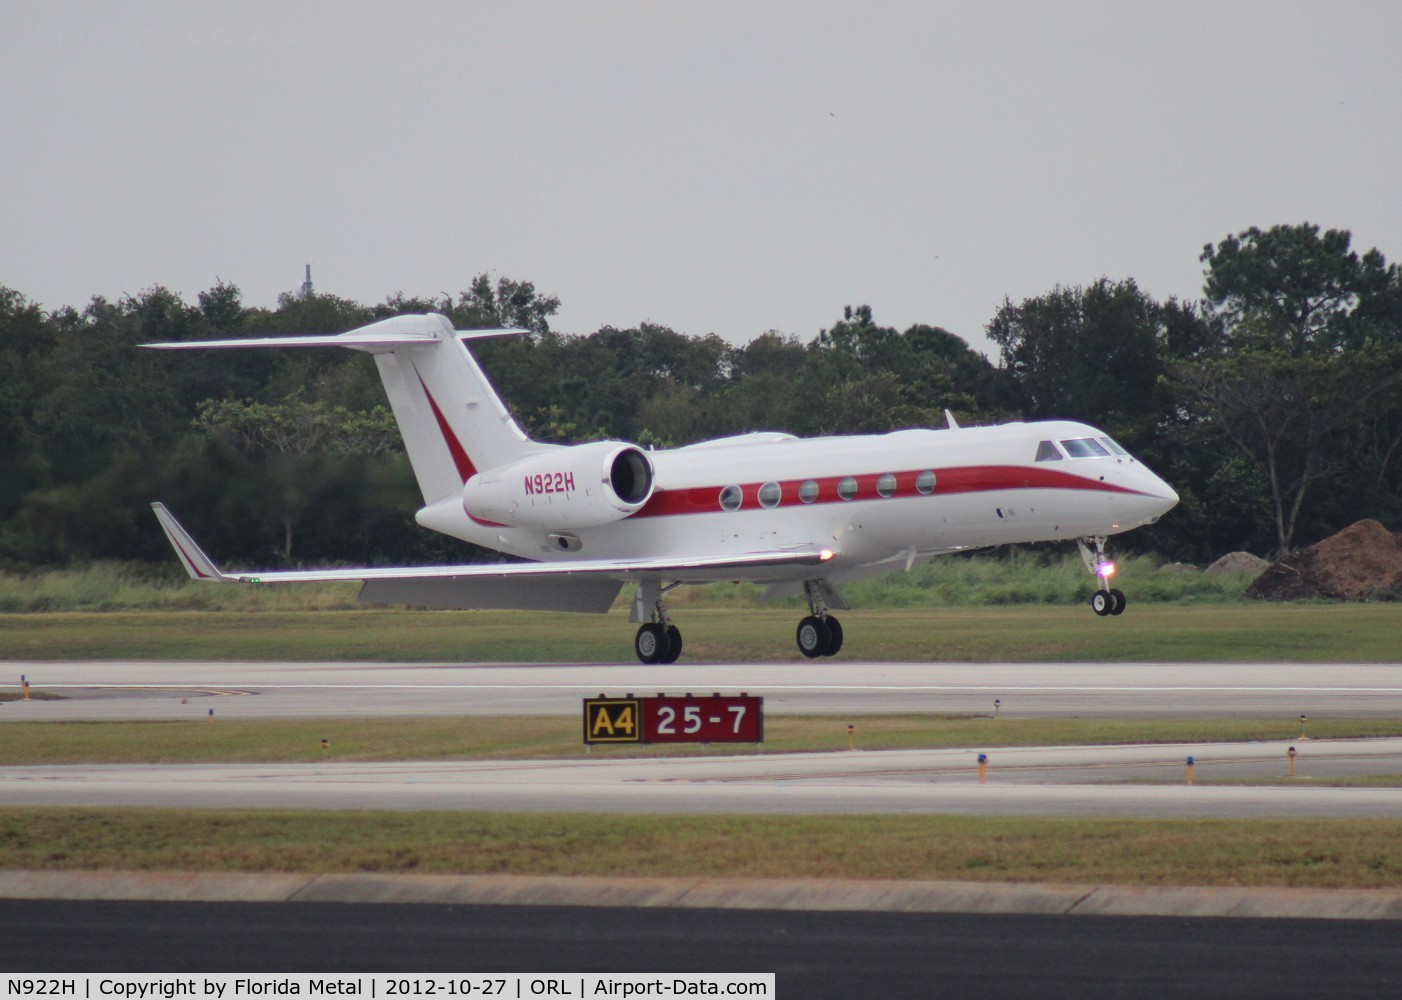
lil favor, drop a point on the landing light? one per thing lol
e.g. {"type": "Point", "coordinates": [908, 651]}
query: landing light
{"type": "Point", "coordinates": [1105, 570]}
{"type": "Point", "coordinates": [825, 554]}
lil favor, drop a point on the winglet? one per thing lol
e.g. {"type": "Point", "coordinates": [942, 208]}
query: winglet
{"type": "Point", "coordinates": [192, 557]}
{"type": "Point", "coordinates": [950, 422]}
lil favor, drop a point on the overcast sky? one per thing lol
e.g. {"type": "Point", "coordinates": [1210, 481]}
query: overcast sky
{"type": "Point", "coordinates": [715, 167]}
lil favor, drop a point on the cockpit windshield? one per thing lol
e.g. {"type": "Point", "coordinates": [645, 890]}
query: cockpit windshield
{"type": "Point", "coordinates": [1085, 448]}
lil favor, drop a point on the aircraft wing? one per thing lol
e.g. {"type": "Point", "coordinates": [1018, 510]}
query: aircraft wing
{"type": "Point", "coordinates": [575, 585]}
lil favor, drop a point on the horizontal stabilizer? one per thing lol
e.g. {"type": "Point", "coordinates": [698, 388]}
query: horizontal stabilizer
{"type": "Point", "coordinates": [363, 343]}
{"type": "Point", "coordinates": [356, 340]}
{"type": "Point", "coordinates": [395, 333]}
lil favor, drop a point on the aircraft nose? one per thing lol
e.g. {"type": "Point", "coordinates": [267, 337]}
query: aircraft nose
{"type": "Point", "coordinates": [1166, 493]}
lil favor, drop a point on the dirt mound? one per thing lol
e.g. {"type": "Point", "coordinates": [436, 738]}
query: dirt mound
{"type": "Point", "coordinates": [1238, 562]}
{"type": "Point", "coordinates": [1361, 562]}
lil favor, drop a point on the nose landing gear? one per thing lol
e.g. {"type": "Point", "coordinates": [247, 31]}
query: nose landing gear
{"type": "Point", "coordinates": [1106, 600]}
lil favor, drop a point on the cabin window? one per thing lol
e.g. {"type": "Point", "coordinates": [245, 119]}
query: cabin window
{"type": "Point", "coordinates": [925, 483]}
{"type": "Point", "coordinates": [1085, 448]}
{"type": "Point", "coordinates": [770, 494]}
{"type": "Point", "coordinates": [808, 492]}
{"type": "Point", "coordinates": [886, 485]}
{"type": "Point", "coordinates": [1048, 452]}
{"type": "Point", "coordinates": [731, 498]}
{"type": "Point", "coordinates": [847, 488]}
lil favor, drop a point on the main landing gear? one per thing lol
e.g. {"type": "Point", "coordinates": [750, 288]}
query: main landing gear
{"type": "Point", "coordinates": [1106, 600]}
{"type": "Point", "coordinates": [658, 643]}
{"type": "Point", "coordinates": [658, 640]}
{"type": "Point", "coordinates": [819, 634]}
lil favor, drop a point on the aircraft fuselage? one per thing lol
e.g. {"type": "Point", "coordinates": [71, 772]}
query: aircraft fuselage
{"type": "Point", "coordinates": [873, 498]}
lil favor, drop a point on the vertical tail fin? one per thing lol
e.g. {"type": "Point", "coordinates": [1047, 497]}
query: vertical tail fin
{"type": "Point", "coordinates": [451, 419]}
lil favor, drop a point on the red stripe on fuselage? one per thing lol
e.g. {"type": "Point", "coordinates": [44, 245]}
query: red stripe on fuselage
{"type": "Point", "coordinates": [969, 479]}
{"type": "Point", "coordinates": [464, 464]}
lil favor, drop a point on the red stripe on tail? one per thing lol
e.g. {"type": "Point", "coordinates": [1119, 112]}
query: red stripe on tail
{"type": "Point", "coordinates": [464, 464]}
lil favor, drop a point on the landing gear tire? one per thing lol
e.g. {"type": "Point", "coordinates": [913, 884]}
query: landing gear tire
{"type": "Point", "coordinates": [652, 644]}
{"type": "Point", "coordinates": [674, 645]}
{"type": "Point", "coordinates": [1108, 602]}
{"type": "Point", "coordinates": [835, 637]}
{"type": "Point", "coordinates": [814, 637]}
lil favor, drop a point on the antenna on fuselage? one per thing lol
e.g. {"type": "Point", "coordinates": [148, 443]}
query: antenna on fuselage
{"type": "Point", "coordinates": [950, 422]}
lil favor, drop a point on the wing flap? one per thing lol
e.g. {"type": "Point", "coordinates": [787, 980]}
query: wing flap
{"type": "Point", "coordinates": [591, 596]}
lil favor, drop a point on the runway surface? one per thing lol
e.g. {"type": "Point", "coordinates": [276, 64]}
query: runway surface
{"type": "Point", "coordinates": [814, 955]}
{"type": "Point", "coordinates": [183, 690]}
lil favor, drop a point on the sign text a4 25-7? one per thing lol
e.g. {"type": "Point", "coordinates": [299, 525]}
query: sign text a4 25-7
{"type": "Point", "coordinates": [688, 718]}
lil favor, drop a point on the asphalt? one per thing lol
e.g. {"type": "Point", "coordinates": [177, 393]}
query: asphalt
{"type": "Point", "coordinates": [812, 954]}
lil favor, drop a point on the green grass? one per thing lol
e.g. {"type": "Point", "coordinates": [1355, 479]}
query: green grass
{"type": "Point", "coordinates": [116, 586]}
{"type": "Point", "coordinates": [493, 738]}
{"type": "Point", "coordinates": [1306, 852]}
{"type": "Point", "coordinates": [1152, 632]}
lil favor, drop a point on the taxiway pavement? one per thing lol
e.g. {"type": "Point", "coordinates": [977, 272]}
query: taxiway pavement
{"type": "Point", "coordinates": [1059, 781]}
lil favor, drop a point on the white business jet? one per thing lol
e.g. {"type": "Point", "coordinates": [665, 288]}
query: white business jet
{"type": "Point", "coordinates": [801, 515]}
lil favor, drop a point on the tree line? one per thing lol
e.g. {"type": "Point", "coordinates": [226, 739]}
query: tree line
{"type": "Point", "coordinates": [1271, 404]}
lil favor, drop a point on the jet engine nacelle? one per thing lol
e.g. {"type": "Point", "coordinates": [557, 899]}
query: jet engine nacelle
{"type": "Point", "coordinates": [583, 486]}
